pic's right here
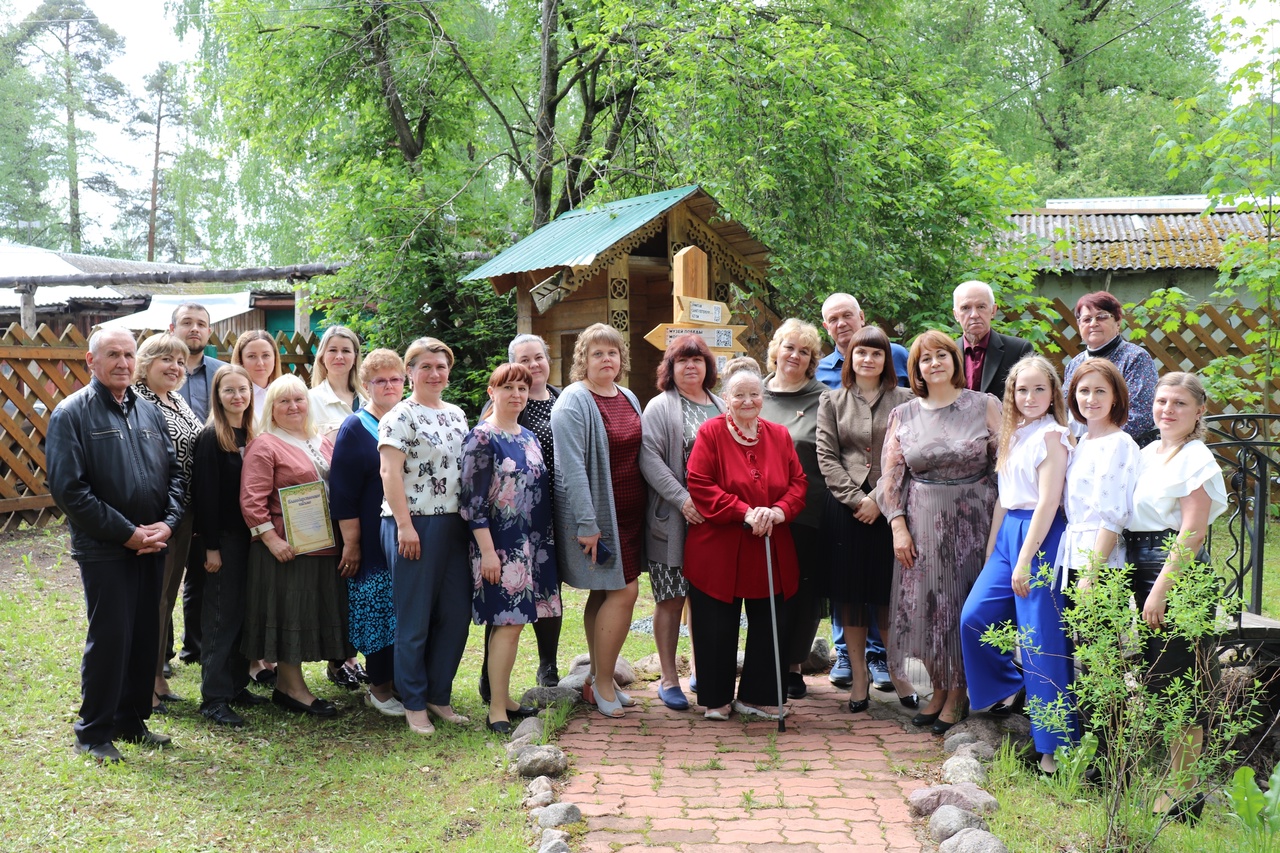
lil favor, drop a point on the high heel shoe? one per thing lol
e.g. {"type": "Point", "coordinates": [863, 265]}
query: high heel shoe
{"type": "Point", "coordinates": [912, 701]}
{"type": "Point", "coordinates": [941, 727]}
{"type": "Point", "coordinates": [453, 717]}
{"type": "Point", "coordinates": [857, 706]}
{"type": "Point", "coordinates": [922, 719]}
{"type": "Point", "coordinates": [609, 709]}
{"type": "Point", "coordinates": [1007, 709]}
{"type": "Point", "coordinates": [1187, 810]}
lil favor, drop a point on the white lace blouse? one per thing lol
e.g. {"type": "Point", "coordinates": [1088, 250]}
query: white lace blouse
{"type": "Point", "coordinates": [1099, 496]}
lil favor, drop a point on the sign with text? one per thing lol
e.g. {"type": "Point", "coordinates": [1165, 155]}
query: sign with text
{"type": "Point", "coordinates": [702, 311]}
{"type": "Point", "coordinates": [715, 337]}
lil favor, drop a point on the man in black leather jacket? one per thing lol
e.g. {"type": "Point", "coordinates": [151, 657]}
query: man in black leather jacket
{"type": "Point", "coordinates": [114, 473]}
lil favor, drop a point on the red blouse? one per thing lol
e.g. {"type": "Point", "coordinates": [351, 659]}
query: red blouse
{"type": "Point", "coordinates": [721, 557]}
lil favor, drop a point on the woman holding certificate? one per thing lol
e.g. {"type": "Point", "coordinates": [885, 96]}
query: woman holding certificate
{"type": "Point", "coordinates": [296, 603]}
{"type": "Point", "coordinates": [424, 538]}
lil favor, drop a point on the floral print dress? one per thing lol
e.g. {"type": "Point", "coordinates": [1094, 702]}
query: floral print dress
{"type": "Point", "coordinates": [506, 487]}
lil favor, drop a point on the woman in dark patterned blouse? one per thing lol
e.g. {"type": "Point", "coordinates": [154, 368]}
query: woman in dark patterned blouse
{"type": "Point", "coordinates": [160, 372]}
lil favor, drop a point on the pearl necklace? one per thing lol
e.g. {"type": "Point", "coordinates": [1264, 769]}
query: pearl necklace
{"type": "Point", "coordinates": [733, 426]}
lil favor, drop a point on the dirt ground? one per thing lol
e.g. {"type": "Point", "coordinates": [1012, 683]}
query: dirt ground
{"type": "Point", "coordinates": [42, 555]}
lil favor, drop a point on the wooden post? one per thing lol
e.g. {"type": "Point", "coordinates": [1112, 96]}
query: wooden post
{"type": "Point", "coordinates": [27, 307]}
{"type": "Point", "coordinates": [301, 310]}
{"type": "Point", "coordinates": [688, 276]}
{"type": "Point", "coordinates": [619, 290]}
{"type": "Point", "coordinates": [524, 312]}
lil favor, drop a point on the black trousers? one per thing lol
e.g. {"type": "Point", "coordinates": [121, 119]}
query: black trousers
{"type": "Point", "coordinates": [117, 671]}
{"type": "Point", "coordinates": [381, 665]}
{"type": "Point", "coordinates": [193, 603]}
{"type": "Point", "coordinates": [224, 670]}
{"type": "Point", "coordinates": [715, 649]}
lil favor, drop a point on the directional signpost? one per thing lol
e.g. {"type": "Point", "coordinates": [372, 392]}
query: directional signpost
{"type": "Point", "coordinates": [696, 315]}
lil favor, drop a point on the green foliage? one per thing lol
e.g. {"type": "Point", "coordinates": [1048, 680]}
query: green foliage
{"type": "Point", "coordinates": [24, 156]}
{"type": "Point", "coordinates": [1241, 156]}
{"type": "Point", "coordinates": [1133, 721]}
{"type": "Point", "coordinates": [1259, 812]}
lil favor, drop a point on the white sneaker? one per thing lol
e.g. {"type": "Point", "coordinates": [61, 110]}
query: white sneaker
{"type": "Point", "coordinates": [391, 707]}
{"type": "Point", "coordinates": [752, 711]}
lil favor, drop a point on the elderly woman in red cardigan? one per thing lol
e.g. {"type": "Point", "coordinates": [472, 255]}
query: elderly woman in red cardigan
{"type": "Point", "coordinates": [746, 481]}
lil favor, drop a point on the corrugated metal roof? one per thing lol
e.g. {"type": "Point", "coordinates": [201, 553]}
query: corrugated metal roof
{"type": "Point", "coordinates": [59, 295]}
{"type": "Point", "coordinates": [575, 237]}
{"type": "Point", "coordinates": [1140, 241]}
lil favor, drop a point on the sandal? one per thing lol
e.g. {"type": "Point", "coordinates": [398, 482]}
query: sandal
{"type": "Point", "coordinates": [604, 706]}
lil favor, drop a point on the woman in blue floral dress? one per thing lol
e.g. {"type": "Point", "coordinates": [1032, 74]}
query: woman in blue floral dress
{"type": "Point", "coordinates": [505, 497]}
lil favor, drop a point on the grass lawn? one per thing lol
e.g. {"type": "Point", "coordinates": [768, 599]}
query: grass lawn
{"type": "Point", "coordinates": [358, 782]}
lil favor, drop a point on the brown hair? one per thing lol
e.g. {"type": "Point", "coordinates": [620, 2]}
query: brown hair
{"type": "Point", "coordinates": [1100, 300]}
{"type": "Point", "coordinates": [1009, 411]}
{"type": "Point", "coordinates": [217, 415]}
{"type": "Point", "coordinates": [1120, 388]}
{"type": "Point", "coordinates": [808, 335]}
{"type": "Point", "coordinates": [933, 339]}
{"type": "Point", "coordinates": [249, 337]}
{"type": "Point", "coordinates": [686, 346]}
{"type": "Point", "coordinates": [870, 337]}
{"type": "Point", "coordinates": [593, 334]}
{"type": "Point", "coordinates": [510, 372]}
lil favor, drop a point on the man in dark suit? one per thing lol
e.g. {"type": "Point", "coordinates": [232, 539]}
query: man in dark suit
{"type": "Point", "coordinates": [988, 355]}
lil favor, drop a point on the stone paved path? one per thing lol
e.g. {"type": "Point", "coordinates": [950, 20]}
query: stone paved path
{"type": "Point", "coordinates": [661, 780]}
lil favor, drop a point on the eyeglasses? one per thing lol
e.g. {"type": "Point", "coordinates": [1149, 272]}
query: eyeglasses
{"type": "Point", "coordinates": [397, 382]}
{"type": "Point", "coordinates": [1100, 317]}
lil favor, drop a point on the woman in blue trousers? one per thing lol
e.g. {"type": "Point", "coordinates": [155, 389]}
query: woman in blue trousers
{"type": "Point", "coordinates": [1016, 583]}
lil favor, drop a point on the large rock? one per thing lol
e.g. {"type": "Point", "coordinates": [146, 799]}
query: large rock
{"type": "Point", "coordinates": [980, 751]}
{"type": "Point", "coordinates": [558, 814]}
{"type": "Point", "coordinates": [648, 666]}
{"type": "Point", "coordinates": [623, 673]}
{"type": "Point", "coordinates": [972, 841]}
{"type": "Point", "coordinates": [529, 727]}
{"type": "Point", "coordinates": [537, 786]}
{"type": "Point", "coordinates": [965, 795]}
{"type": "Point", "coordinates": [948, 820]}
{"type": "Point", "coordinates": [559, 845]}
{"type": "Point", "coordinates": [962, 768]}
{"type": "Point", "coordinates": [539, 800]}
{"type": "Point", "coordinates": [542, 761]}
{"type": "Point", "coordinates": [993, 731]}
{"type": "Point", "coordinates": [573, 681]}
{"type": "Point", "coordinates": [954, 742]}
{"type": "Point", "coordinates": [561, 694]}
{"type": "Point", "coordinates": [550, 835]}
{"type": "Point", "coordinates": [819, 656]}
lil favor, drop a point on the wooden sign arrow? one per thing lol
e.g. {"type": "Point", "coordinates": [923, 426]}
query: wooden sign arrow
{"type": "Point", "coordinates": [716, 337]}
{"type": "Point", "coordinates": [691, 310]}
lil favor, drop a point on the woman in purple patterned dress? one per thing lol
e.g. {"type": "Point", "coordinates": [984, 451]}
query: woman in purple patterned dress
{"type": "Point", "coordinates": [505, 497]}
{"type": "Point", "coordinates": [937, 489]}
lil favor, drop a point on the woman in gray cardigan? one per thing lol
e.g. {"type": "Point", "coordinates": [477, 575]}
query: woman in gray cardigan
{"type": "Point", "coordinates": [671, 420]}
{"type": "Point", "coordinates": [599, 502]}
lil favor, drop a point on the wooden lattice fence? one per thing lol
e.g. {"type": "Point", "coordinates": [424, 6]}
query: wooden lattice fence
{"type": "Point", "coordinates": [1219, 332]}
{"type": "Point", "coordinates": [36, 373]}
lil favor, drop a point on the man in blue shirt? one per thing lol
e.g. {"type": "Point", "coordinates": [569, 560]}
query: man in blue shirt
{"type": "Point", "coordinates": [842, 317]}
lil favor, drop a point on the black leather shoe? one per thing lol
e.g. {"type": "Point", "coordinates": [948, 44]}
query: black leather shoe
{"type": "Point", "coordinates": [1187, 810]}
{"type": "Point", "coordinates": [318, 708]}
{"type": "Point", "coordinates": [169, 697]}
{"type": "Point", "coordinates": [247, 699]}
{"type": "Point", "coordinates": [103, 753]}
{"type": "Point", "coordinates": [923, 719]}
{"type": "Point", "coordinates": [166, 671]}
{"type": "Point", "coordinates": [1001, 709]}
{"type": "Point", "coordinates": [912, 701]}
{"type": "Point", "coordinates": [857, 706]}
{"type": "Point", "coordinates": [501, 727]}
{"type": "Point", "coordinates": [343, 675]}
{"type": "Point", "coordinates": [221, 713]}
{"type": "Point", "coordinates": [941, 727]}
{"type": "Point", "coordinates": [796, 688]}
{"type": "Point", "coordinates": [146, 737]}
{"type": "Point", "coordinates": [160, 709]}
{"type": "Point", "coordinates": [523, 711]}
{"type": "Point", "coordinates": [548, 675]}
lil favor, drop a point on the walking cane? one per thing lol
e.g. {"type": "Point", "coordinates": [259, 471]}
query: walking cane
{"type": "Point", "coordinates": [773, 616]}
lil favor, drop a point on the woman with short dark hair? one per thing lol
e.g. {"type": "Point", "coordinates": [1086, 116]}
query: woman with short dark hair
{"type": "Point", "coordinates": [1100, 317]}
{"type": "Point", "coordinates": [671, 422]}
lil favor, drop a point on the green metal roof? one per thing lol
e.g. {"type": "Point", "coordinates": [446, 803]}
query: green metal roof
{"type": "Point", "coordinates": [577, 236]}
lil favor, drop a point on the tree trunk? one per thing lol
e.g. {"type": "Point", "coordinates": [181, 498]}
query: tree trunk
{"type": "Point", "coordinates": [545, 118]}
{"type": "Point", "coordinates": [73, 165]}
{"type": "Point", "coordinates": [155, 180]}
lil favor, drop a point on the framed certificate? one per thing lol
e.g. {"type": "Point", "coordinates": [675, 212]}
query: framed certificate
{"type": "Point", "coordinates": [305, 508]}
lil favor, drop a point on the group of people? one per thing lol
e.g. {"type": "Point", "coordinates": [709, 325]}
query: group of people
{"type": "Point", "coordinates": [920, 493]}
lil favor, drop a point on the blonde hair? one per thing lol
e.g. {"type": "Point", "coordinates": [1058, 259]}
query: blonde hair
{"type": "Point", "coordinates": [593, 334]}
{"type": "Point", "coordinates": [277, 389]}
{"type": "Point", "coordinates": [1009, 411]}
{"type": "Point", "coordinates": [421, 347]}
{"type": "Point", "coordinates": [808, 336]}
{"type": "Point", "coordinates": [154, 347]}
{"type": "Point", "coordinates": [222, 428]}
{"type": "Point", "coordinates": [249, 337]}
{"type": "Point", "coordinates": [320, 373]}
{"type": "Point", "coordinates": [380, 359]}
{"type": "Point", "coordinates": [1191, 383]}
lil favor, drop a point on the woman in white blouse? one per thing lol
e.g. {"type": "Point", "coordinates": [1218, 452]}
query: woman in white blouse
{"type": "Point", "coordinates": [1179, 493]}
{"type": "Point", "coordinates": [1101, 475]}
{"type": "Point", "coordinates": [424, 538]}
{"type": "Point", "coordinates": [1034, 447]}
{"type": "Point", "coordinates": [335, 393]}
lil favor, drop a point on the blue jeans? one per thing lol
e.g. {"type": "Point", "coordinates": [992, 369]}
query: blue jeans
{"type": "Point", "coordinates": [432, 598]}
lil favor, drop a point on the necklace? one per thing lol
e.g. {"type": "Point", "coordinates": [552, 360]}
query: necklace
{"type": "Point", "coordinates": [742, 436]}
